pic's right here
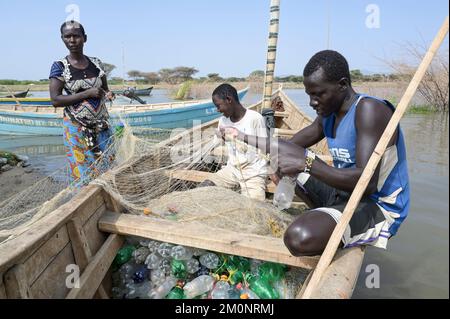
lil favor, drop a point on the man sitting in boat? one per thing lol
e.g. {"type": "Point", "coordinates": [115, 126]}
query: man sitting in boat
{"type": "Point", "coordinates": [244, 167]}
{"type": "Point", "coordinates": [352, 123]}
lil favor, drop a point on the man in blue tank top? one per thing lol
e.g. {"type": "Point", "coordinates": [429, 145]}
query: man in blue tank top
{"type": "Point", "coordinates": [352, 124]}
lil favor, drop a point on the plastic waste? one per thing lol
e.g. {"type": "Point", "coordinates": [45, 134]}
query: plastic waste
{"type": "Point", "coordinates": [202, 271]}
{"type": "Point", "coordinates": [220, 290]}
{"type": "Point", "coordinates": [127, 270]}
{"type": "Point", "coordinates": [141, 274]}
{"type": "Point", "coordinates": [153, 261]}
{"type": "Point", "coordinates": [139, 291]}
{"type": "Point", "coordinates": [178, 269]}
{"type": "Point", "coordinates": [262, 288]}
{"type": "Point", "coordinates": [157, 276]}
{"type": "Point", "coordinates": [166, 266]}
{"type": "Point", "coordinates": [181, 253]}
{"type": "Point", "coordinates": [153, 245]}
{"type": "Point", "coordinates": [192, 266]}
{"type": "Point", "coordinates": [123, 255]}
{"type": "Point", "coordinates": [140, 254]}
{"type": "Point", "coordinates": [209, 260]}
{"type": "Point", "coordinates": [198, 286]}
{"type": "Point", "coordinates": [272, 272]}
{"type": "Point", "coordinates": [284, 192]}
{"type": "Point", "coordinates": [163, 290]}
{"type": "Point", "coordinates": [176, 293]}
{"type": "Point", "coordinates": [165, 249]}
{"type": "Point", "coordinates": [247, 293]}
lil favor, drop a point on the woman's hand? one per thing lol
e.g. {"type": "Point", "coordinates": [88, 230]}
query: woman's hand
{"type": "Point", "coordinates": [110, 96]}
{"type": "Point", "coordinates": [97, 93]}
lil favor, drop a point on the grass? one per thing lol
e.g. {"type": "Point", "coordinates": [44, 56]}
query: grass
{"type": "Point", "coordinates": [421, 109]}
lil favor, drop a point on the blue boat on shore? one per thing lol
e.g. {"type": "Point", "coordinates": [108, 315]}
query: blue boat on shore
{"type": "Point", "coordinates": [41, 120]}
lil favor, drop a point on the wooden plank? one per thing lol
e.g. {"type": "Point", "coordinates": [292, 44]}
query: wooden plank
{"type": "Point", "coordinates": [16, 283]}
{"type": "Point", "coordinates": [81, 249]}
{"type": "Point", "coordinates": [199, 176]}
{"type": "Point", "coordinates": [2, 288]}
{"type": "Point", "coordinates": [94, 236]}
{"type": "Point", "coordinates": [94, 273]}
{"type": "Point", "coordinates": [51, 284]}
{"type": "Point", "coordinates": [39, 260]}
{"type": "Point", "coordinates": [282, 114]}
{"type": "Point", "coordinates": [205, 237]}
{"type": "Point", "coordinates": [15, 251]}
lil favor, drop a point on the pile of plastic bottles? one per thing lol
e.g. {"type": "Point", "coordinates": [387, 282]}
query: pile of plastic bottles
{"type": "Point", "coordinates": [151, 269]}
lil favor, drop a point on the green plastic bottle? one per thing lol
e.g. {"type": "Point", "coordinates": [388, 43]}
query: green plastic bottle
{"type": "Point", "coordinates": [123, 255]}
{"type": "Point", "coordinates": [176, 293]}
{"type": "Point", "coordinates": [178, 269]}
{"type": "Point", "coordinates": [262, 288]}
{"type": "Point", "coordinates": [272, 272]}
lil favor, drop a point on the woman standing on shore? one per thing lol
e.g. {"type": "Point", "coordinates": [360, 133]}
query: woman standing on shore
{"type": "Point", "coordinates": [87, 132]}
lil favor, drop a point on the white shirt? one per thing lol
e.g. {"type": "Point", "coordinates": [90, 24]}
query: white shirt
{"type": "Point", "coordinates": [251, 124]}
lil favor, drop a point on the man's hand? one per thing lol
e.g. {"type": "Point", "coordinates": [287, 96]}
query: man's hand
{"type": "Point", "coordinates": [110, 96]}
{"type": "Point", "coordinates": [229, 133]}
{"type": "Point", "coordinates": [290, 159]}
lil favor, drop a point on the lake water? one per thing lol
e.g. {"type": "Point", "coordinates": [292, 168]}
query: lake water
{"type": "Point", "coordinates": [416, 263]}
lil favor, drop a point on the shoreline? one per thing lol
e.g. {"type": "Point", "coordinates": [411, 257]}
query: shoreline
{"type": "Point", "coordinates": [18, 179]}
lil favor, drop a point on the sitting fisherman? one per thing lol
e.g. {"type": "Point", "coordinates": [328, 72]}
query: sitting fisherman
{"type": "Point", "coordinates": [244, 167]}
{"type": "Point", "coordinates": [352, 124]}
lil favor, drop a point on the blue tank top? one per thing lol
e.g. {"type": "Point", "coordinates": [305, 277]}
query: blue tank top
{"type": "Point", "coordinates": [392, 194]}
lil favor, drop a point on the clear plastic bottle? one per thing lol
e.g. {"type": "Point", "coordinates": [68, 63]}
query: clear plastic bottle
{"type": "Point", "coordinates": [164, 289]}
{"type": "Point", "coordinates": [181, 253]}
{"type": "Point", "coordinates": [285, 192]}
{"type": "Point", "coordinates": [209, 260]}
{"type": "Point", "coordinates": [220, 290]}
{"type": "Point", "coordinates": [198, 286]}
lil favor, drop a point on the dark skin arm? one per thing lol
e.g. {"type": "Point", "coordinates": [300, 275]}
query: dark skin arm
{"type": "Point", "coordinates": [61, 100]}
{"type": "Point", "coordinates": [372, 118]}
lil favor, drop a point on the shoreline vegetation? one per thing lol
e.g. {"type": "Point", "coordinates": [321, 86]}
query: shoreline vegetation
{"type": "Point", "coordinates": [195, 89]}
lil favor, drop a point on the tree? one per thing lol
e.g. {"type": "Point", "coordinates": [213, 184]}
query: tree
{"type": "Point", "coordinates": [134, 74]}
{"type": "Point", "coordinates": [151, 77]}
{"type": "Point", "coordinates": [214, 77]}
{"type": "Point", "coordinates": [356, 75]}
{"type": "Point", "coordinates": [184, 73]}
{"type": "Point", "coordinates": [167, 75]}
{"type": "Point", "coordinates": [257, 74]}
{"type": "Point", "coordinates": [108, 68]}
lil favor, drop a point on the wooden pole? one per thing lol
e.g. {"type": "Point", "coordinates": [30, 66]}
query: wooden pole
{"type": "Point", "coordinates": [363, 181]}
{"type": "Point", "coordinates": [271, 52]}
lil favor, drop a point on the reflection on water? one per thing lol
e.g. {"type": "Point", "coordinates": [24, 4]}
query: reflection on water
{"type": "Point", "coordinates": [415, 265]}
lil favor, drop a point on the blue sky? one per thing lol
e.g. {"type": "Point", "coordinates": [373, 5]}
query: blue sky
{"type": "Point", "coordinates": [228, 37]}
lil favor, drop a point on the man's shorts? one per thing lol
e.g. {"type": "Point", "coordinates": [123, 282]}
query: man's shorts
{"type": "Point", "coordinates": [368, 225]}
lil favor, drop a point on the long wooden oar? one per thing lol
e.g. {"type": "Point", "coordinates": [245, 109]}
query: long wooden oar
{"type": "Point", "coordinates": [369, 170]}
{"type": "Point", "coordinates": [271, 52]}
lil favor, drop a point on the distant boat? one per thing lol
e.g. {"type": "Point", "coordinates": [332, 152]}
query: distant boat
{"type": "Point", "coordinates": [35, 119]}
{"type": "Point", "coordinates": [139, 92]}
{"type": "Point", "coordinates": [17, 95]}
{"type": "Point", "coordinates": [35, 101]}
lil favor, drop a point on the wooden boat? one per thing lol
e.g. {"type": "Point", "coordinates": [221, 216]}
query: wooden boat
{"type": "Point", "coordinates": [138, 92]}
{"type": "Point", "coordinates": [17, 95]}
{"type": "Point", "coordinates": [33, 101]}
{"type": "Point", "coordinates": [40, 120]}
{"type": "Point", "coordinates": [88, 231]}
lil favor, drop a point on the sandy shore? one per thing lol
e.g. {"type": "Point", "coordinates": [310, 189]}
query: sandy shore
{"type": "Point", "coordinates": [16, 180]}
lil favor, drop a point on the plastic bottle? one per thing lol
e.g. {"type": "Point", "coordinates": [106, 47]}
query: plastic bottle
{"type": "Point", "coordinates": [157, 276]}
{"type": "Point", "coordinates": [164, 289]}
{"type": "Point", "coordinates": [153, 245]}
{"type": "Point", "coordinates": [166, 266]}
{"type": "Point", "coordinates": [139, 291]}
{"type": "Point", "coordinates": [220, 290]}
{"type": "Point", "coordinates": [141, 274]}
{"type": "Point", "coordinates": [262, 288]}
{"type": "Point", "coordinates": [176, 293]}
{"type": "Point", "coordinates": [140, 254]}
{"type": "Point", "coordinates": [192, 266]}
{"type": "Point", "coordinates": [123, 255]}
{"type": "Point", "coordinates": [247, 293]}
{"type": "Point", "coordinates": [164, 249]}
{"type": "Point", "coordinates": [178, 269]}
{"type": "Point", "coordinates": [153, 261]}
{"type": "Point", "coordinates": [181, 253]}
{"type": "Point", "coordinates": [198, 286]}
{"type": "Point", "coordinates": [285, 192]}
{"type": "Point", "coordinates": [209, 260]}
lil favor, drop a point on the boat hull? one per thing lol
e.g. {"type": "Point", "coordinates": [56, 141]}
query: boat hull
{"type": "Point", "coordinates": [35, 123]}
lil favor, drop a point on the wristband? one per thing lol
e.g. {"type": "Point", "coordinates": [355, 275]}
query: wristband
{"type": "Point", "coordinates": [309, 160]}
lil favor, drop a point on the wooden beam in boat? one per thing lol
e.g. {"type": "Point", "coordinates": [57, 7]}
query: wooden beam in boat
{"type": "Point", "coordinates": [204, 237]}
{"type": "Point", "coordinates": [199, 176]}
{"type": "Point", "coordinates": [96, 270]}
{"type": "Point", "coordinates": [82, 250]}
{"type": "Point", "coordinates": [282, 114]}
{"type": "Point", "coordinates": [16, 283]}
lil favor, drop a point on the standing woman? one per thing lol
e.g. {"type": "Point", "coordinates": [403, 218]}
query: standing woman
{"type": "Point", "coordinates": [86, 120]}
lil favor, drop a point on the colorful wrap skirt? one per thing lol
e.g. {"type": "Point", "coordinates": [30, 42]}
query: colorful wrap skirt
{"type": "Point", "coordinates": [83, 165]}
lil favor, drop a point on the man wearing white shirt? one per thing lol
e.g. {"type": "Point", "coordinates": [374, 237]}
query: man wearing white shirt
{"type": "Point", "coordinates": [244, 167]}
